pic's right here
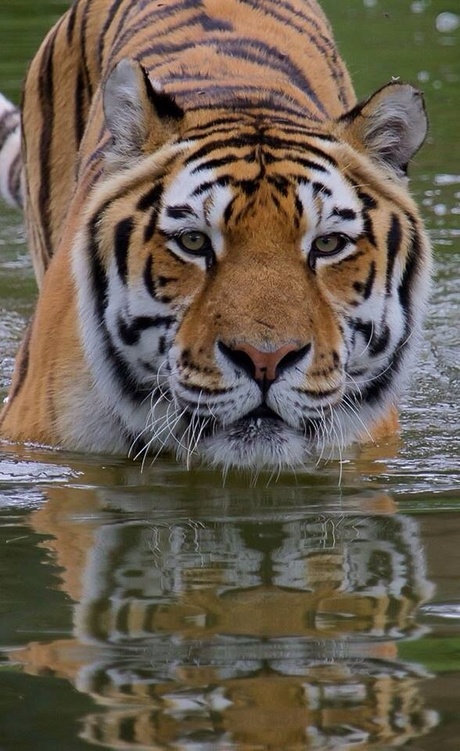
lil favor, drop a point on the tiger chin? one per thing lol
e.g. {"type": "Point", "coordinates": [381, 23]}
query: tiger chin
{"type": "Point", "coordinates": [230, 265]}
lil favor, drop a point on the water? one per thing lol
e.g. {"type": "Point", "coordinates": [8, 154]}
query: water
{"type": "Point", "coordinates": [167, 609]}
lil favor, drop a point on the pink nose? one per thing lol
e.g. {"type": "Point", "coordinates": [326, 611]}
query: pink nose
{"type": "Point", "coordinates": [264, 367]}
{"type": "Point", "coordinates": [265, 364]}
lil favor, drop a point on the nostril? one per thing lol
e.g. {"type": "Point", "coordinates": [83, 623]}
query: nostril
{"type": "Point", "coordinates": [239, 358]}
{"type": "Point", "coordinates": [293, 357]}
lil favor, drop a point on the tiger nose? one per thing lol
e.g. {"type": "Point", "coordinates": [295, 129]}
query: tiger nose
{"type": "Point", "coordinates": [264, 367]}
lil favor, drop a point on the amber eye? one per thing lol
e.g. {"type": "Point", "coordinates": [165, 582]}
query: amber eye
{"type": "Point", "coordinates": [328, 245]}
{"type": "Point", "coordinates": [194, 242]}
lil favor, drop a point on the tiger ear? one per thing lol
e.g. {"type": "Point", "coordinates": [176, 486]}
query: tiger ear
{"type": "Point", "coordinates": [140, 116]}
{"type": "Point", "coordinates": [390, 126]}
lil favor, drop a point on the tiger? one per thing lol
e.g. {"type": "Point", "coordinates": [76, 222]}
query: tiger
{"type": "Point", "coordinates": [231, 267]}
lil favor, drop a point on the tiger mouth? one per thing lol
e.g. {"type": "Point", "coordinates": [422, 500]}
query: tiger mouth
{"type": "Point", "coordinates": [259, 424]}
{"type": "Point", "coordinates": [260, 439]}
{"type": "Point", "coordinates": [262, 412]}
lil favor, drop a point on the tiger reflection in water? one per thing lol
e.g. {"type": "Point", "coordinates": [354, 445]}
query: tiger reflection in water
{"type": "Point", "coordinates": [221, 634]}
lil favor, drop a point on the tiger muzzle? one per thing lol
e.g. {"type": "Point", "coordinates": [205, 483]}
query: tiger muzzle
{"type": "Point", "coordinates": [264, 367]}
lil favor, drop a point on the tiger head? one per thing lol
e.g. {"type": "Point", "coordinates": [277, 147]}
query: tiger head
{"type": "Point", "coordinates": [250, 285]}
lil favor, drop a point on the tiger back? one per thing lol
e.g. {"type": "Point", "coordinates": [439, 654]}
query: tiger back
{"type": "Point", "coordinates": [235, 269]}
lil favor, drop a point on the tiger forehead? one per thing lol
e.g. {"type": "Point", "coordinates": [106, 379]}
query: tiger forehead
{"type": "Point", "coordinates": [261, 147]}
{"type": "Point", "coordinates": [289, 177]}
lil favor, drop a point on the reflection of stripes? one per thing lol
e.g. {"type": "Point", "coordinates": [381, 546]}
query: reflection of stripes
{"type": "Point", "coordinates": [370, 568]}
{"type": "Point", "coordinates": [139, 572]}
{"type": "Point", "coordinates": [331, 699]}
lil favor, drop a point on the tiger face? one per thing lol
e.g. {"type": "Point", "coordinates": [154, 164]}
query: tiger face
{"type": "Point", "coordinates": [250, 289]}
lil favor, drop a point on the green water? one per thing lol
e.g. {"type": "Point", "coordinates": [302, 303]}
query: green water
{"type": "Point", "coordinates": [167, 609]}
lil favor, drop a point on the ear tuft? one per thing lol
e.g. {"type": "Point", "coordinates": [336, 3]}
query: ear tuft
{"type": "Point", "coordinates": [140, 116]}
{"type": "Point", "coordinates": [390, 126]}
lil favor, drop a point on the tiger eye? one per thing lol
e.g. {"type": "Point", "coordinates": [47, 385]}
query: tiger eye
{"type": "Point", "coordinates": [193, 242]}
{"type": "Point", "coordinates": [329, 244]}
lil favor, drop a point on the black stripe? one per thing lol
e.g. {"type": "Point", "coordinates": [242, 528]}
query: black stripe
{"type": "Point", "coordinates": [120, 368]}
{"type": "Point", "coordinates": [318, 394]}
{"type": "Point", "coordinates": [229, 209]}
{"type": "Point", "coordinates": [365, 288]}
{"type": "Point", "coordinates": [149, 279]}
{"type": "Point", "coordinates": [309, 164]}
{"type": "Point", "coordinates": [215, 163]}
{"type": "Point", "coordinates": [405, 290]}
{"type": "Point", "coordinates": [46, 96]}
{"type": "Point", "coordinates": [130, 332]}
{"type": "Point", "coordinates": [251, 50]}
{"type": "Point", "coordinates": [148, 276]}
{"type": "Point", "coordinates": [125, 31]}
{"type": "Point", "coordinates": [98, 274]}
{"type": "Point", "coordinates": [277, 203]}
{"type": "Point", "coordinates": [83, 39]}
{"type": "Point", "coordinates": [366, 199]}
{"type": "Point", "coordinates": [280, 183]}
{"type": "Point", "coordinates": [316, 151]}
{"type": "Point", "coordinates": [346, 214]}
{"type": "Point", "coordinates": [180, 212]}
{"type": "Point", "coordinates": [222, 181]}
{"type": "Point", "coordinates": [230, 122]}
{"type": "Point", "coordinates": [150, 227]}
{"type": "Point", "coordinates": [376, 343]}
{"type": "Point", "coordinates": [372, 392]}
{"type": "Point", "coordinates": [319, 189]}
{"type": "Point", "coordinates": [380, 343]}
{"type": "Point", "coordinates": [214, 24]}
{"type": "Point", "coordinates": [256, 139]}
{"type": "Point", "coordinates": [151, 198]}
{"type": "Point", "coordinates": [122, 239]}
{"type": "Point", "coordinates": [393, 242]}
{"type": "Point", "coordinates": [71, 20]}
{"type": "Point", "coordinates": [299, 208]}
{"type": "Point", "coordinates": [381, 383]}
{"type": "Point", "coordinates": [110, 15]}
{"type": "Point", "coordinates": [162, 345]}
{"type": "Point", "coordinates": [248, 187]}
{"type": "Point", "coordinates": [79, 100]}
{"type": "Point", "coordinates": [162, 281]}
{"type": "Point", "coordinates": [323, 44]}
{"type": "Point", "coordinates": [267, 107]}
{"type": "Point", "coordinates": [226, 124]}
{"type": "Point", "coordinates": [162, 103]}
{"type": "Point", "coordinates": [369, 204]}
